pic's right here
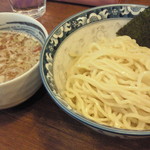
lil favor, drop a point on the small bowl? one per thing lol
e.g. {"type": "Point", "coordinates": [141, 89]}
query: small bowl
{"type": "Point", "coordinates": [74, 34]}
{"type": "Point", "coordinates": [19, 89]}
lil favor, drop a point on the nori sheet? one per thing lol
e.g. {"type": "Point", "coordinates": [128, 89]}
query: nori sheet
{"type": "Point", "coordinates": [138, 28]}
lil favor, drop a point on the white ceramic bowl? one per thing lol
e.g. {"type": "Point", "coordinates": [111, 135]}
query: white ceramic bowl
{"type": "Point", "coordinates": [73, 35]}
{"type": "Point", "coordinates": [18, 90]}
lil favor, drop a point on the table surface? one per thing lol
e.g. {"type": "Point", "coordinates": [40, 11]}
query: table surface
{"type": "Point", "coordinates": [38, 124]}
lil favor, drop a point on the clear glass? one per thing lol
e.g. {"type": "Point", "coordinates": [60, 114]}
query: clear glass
{"type": "Point", "coordinates": [33, 8]}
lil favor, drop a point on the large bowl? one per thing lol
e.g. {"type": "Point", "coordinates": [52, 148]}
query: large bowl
{"type": "Point", "coordinates": [69, 36]}
{"type": "Point", "coordinates": [18, 90]}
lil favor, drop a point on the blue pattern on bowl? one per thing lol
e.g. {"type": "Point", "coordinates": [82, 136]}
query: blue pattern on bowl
{"type": "Point", "coordinates": [59, 34]}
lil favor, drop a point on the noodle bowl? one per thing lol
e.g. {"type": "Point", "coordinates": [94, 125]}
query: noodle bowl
{"type": "Point", "coordinates": [106, 80]}
{"type": "Point", "coordinates": [97, 78]}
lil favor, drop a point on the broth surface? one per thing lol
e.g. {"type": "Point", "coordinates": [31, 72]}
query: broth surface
{"type": "Point", "coordinates": [18, 53]}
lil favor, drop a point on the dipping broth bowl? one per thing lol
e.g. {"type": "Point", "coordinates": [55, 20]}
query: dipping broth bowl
{"type": "Point", "coordinates": [21, 88]}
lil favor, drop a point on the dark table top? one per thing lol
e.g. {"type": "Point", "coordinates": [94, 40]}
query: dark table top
{"type": "Point", "coordinates": [38, 124]}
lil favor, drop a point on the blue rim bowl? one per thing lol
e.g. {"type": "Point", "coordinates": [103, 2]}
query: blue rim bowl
{"type": "Point", "coordinates": [59, 34]}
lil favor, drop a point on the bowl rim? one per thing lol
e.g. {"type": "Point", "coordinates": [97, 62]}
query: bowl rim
{"type": "Point", "coordinates": [118, 131]}
{"type": "Point", "coordinates": [36, 65]}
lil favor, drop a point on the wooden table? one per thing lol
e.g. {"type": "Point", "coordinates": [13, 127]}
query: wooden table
{"type": "Point", "coordinates": [38, 124]}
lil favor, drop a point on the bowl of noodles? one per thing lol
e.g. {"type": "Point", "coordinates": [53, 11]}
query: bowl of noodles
{"type": "Point", "coordinates": [97, 77]}
{"type": "Point", "coordinates": [21, 40]}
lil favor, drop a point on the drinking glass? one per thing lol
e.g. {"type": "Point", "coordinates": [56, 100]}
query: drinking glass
{"type": "Point", "coordinates": [33, 8]}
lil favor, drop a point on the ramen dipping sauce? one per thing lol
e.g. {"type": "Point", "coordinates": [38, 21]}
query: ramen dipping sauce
{"type": "Point", "coordinates": [18, 53]}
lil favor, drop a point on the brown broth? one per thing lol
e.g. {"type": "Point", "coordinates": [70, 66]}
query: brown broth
{"type": "Point", "coordinates": [18, 53]}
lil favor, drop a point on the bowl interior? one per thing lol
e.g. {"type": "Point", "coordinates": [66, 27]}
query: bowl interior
{"type": "Point", "coordinates": [73, 36]}
{"type": "Point", "coordinates": [23, 23]}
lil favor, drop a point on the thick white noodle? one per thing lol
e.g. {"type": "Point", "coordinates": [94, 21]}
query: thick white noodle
{"type": "Point", "coordinates": [110, 84]}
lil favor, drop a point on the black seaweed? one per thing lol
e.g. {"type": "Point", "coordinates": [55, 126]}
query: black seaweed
{"type": "Point", "coordinates": [138, 28]}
